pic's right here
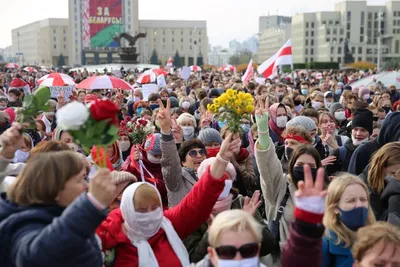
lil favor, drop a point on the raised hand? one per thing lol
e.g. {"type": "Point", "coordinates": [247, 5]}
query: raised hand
{"type": "Point", "coordinates": [328, 161]}
{"type": "Point", "coordinates": [164, 116]}
{"type": "Point", "coordinates": [11, 140]}
{"type": "Point", "coordinates": [260, 108]}
{"type": "Point", "coordinates": [177, 132]}
{"type": "Point", "coordinates": [251, 205]}
{"type": "Point", "coordinates": [102, 188]}
{"type": "Point", "coordinates": [308, 188]}
{"type": "Point", "coordinates": [229, 147]}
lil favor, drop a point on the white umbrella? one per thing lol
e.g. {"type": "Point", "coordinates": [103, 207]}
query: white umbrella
{"type": "Point", "coordinates": [385, 78]}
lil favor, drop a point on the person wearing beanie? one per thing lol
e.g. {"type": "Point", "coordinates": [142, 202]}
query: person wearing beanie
{"type": "Point", "coordinates": [361, 129]}
{"type": "Point", "coordinates": [364, 95]}
{"type": "Point", "coordinates": [339, 112]}
{"type": "Point", "coordinates": [212, 140]}
{"type": "Point", "coordinates": [174, 102]}
{"type": "Point", "coordinates": [328, 99]}
{"type": "Point", "coordinates": [197, 242]}
{"type": "Point", "coordinates": [214, 93]}
{"type": "Point", "coordinates": [144, 163]}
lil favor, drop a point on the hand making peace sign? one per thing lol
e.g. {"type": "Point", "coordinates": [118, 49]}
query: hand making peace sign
{"type": "Point", "coordinates": [308, 188]}
{"type": "Point", "coordinates": [260, 108]}
{"type": "Point", "coordinates": [164, 117]}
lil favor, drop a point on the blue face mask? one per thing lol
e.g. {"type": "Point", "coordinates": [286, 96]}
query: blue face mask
{"type": "Point", "coordinates": [355, 218]}
{"type": "Point", "coordinates": [221, 124]}
{"type": "Point", "coordinates": [139, 110]}
{"type": "Point", "coordinates": [304, 91]}
{"type": "Point", "coordinates": [245, 127]}
{"type": "Point", "coordinates": [154, 106]}
{"type": "Point", "coordinates": [338, 91]}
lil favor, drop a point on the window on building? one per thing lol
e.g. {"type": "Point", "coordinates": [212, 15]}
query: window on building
{"type": "Point", "coordinates": [190, 40]}
{"type": "Point", "coordinates": [306, 41]}
{"type": "Point", "coordinates": [311, 59]}
{"type": "Point", "coordinates": [312, 33]}
{"type": "Point", "coordinates": [199, 40]}
{"type": "Point", "coordinates": [362, 30]}
{"type": "Point", "coordinates": [163, 39]}
{"type": "Point", "coordinates": [163, 32]}
{"type": "Point", "coordinates": [348, 35]}
{"type": "Point", "coordinates": [360, 59]}
{"type": "Point", "coordinates": [323, 22]}
{"type": "Point", "coordinates": [359, 50]}
{"type": "Point", "coordinates": [394, 31]}
{"type": "Point", "coordinates": [339, 60]}
{"type": "Point", "coordinates": [332, 50]}
{"type": "Point", "coordinates": [55, 46]}
{"type": "Point", "coordinates": [181, 40]}
{"type": "Point", "coordinates": [341, 40]}
{"type": "Point", "coordinates": [397, 47]}
{"type": "Point", "coordinates": [348, 15]}
{"type": "Point", "coordinates": [334, 31]}
{"type": "Point", "coordinates": [328, 31]}
{"type": "Point", "coordinates": [54, 31]}
{"type": "Point", "coordinates": [369, 15]}
{"type": "Point", "coordinates": [312, 24]}
{"type": "Point", "coordinates": [328, 40]}
{"type": "Point", "coordinates": [312, 51]}
{"type": "Point", "coordinates": [181, 32]}
{"type": "Point", "coordinates": [190, 33]}
{"type": "Point", "coordinates": [65, 46]}
{"type": "Point", "coordinates": [348, 26]}
{"type": "Point", "coordinates": [361, 38]}
{"type": "Point", "coordinates": [129, 26]}
{"type": "Point", "coordinates": [306, 51]}
{"type": "Point", "coordinates": [353, 50]}
{"type": "Point", "coordinates": [76, 41]}
{"type": "Point", "coordinates": [398, 30]}
{"type": "Point", "coordinates": [173, 40]}
{"type": "Point", "coordinates": [64, 31]}
{"type": "Point", "coordinates": [362, 17]}
{"type": "Point", "coordinates": [394, 22]}
{"type": "Point", "coordinates": [65, 39]}
{"type": "Point", "coordinates": [54, 39]}
{"type": "Point", "coordinates": [306, 24]}
{"type": "Point", "coordinates": [306, 60]}
{"type": "Point", "coordinates": [341, 31]}
{"type": "Point", "coordinates": [339, 50]}
{"type": "Point", "coordinates": [172, 32]}
{"type": "Point", "coordinates": [312, 42]}
{"type": "Point", "coordinates": [394, 13]}
{"type": "Point", "coordinates": [306, 33]}
{"type": "Point", "coordinates": [155, 40]}
{"type": "Point", "coordinates": [369, 24]}
{"type": "Point", "coordinates": [330, 23]}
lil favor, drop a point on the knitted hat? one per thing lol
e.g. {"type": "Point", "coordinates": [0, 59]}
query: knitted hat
{"type": "Point", "coordinates": [209, 135]}
{"type": "Point", "coordinates": [340, 84]}
{"type": "Point", "coordinates": [153, 144]}
{"type": "Point", "coordinates": [328, 94]}
{"type": "Point", "coordinates": [304, 121]}
{"type": "Point", "coordinates": [174, 102]}
{"type": "Point", "coordinates": [122, 179]}
{"type": "Point", "coordinates": [207, 163]}
{"type": "Point", "coordinates": [364, 91]}
{"type": "Point", "coordinates": [347, 87]}
{"type": "Point", "coordinates": [334, 107]}
{"type": "Point", "coordinates": [355, 90]}
{"type": "Point", "coordinates": [11, 114]}
{"type": "Point", "coordinates": [3, 98]}
{"type": "Point", "coordinates": [363, 118]}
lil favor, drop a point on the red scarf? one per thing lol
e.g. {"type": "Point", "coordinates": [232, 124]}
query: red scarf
{"type": "Point", "coordinates": [278, 131]}
{"type": "Point", "coordinates": [243, 154]}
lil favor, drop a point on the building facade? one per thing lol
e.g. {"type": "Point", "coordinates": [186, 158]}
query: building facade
{"type": "Point", "coordinates": [321, 36]}
{"type": "Point", "coordinates": [41, 42]}
{"type": "Point", "coordinates": [271, 40]}
{"type": "Point", "coordinates": [268, 22]}
{"type": "Point", "coordinates": [166, 37]}
{"type": "Point", "coordinates": [218, 56]}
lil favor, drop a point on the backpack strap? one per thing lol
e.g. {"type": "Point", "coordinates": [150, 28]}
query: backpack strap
{"type": "Point", "coordinates": [282, 206]}
{"type": "Point", "coordinates": [342, 154]}
{"type": "Point", "coordinates": [339, 140]}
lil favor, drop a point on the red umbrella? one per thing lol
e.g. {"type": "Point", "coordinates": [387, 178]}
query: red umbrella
{"type": "Point", "coordinates": [56, 79]}
{"type": "Point", "coordinates": [103, 82]}
{"type": "Point", "coordinates": [148, 76]}
{"type": "Point", "coordinates": [227, 68]}
{"type": "Point", "coordinates": [12, 66]}
{"type": "Point", "coordinates": [30, 69]}
{"type": "Point", "coordinates": [195, 68]}
{"type": "Point", "coordinates": [160, 72]}
{"type": "Point", "coordinates": [18, 83]}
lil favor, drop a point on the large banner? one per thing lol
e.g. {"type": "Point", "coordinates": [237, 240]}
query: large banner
{"type": "Point", "coordinates": [102, 20]}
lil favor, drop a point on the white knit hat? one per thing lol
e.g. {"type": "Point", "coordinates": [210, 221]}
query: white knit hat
{"type": "Point", "coordinates": [304, 121]}
{"type": "Point", "coordinates": [207, 162]}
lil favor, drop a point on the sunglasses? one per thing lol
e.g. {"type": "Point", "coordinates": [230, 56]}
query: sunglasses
{"type": "Point", "coordinates": [229, 252]}
{"type": "Point", "coordinates": [194, 153]}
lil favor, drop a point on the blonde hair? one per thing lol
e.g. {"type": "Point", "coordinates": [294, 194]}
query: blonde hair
{"type": "Point", "coordinates": [146, 194]}
{"type": "Point", "coordinates": [184, 117]}
{"type": "Point", "coordinates": [331, 219]}
{"type": "Point", "coordinates": [368, 237]}
{"type": "Point", "coordinates": [233, 220]}
{"type": "Point", "coordinates": [43, 177]}
{"type": "Point", "coordinates": [386, 156]}
{"type": "Point", "coordinates": [297, 130]}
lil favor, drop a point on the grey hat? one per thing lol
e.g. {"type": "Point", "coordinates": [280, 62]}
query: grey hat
{"type": "Point", "coordinates": [174, 102]}
{"type": "Point", "coordinates": [304, 121]}
{"type": "Point", "coordinates": [209, 135]}
{"type": "Point", "coordinates": [334, 107]}
{"type": "Point", "coordinates": [340, 84]}
{"type": "Point", "coordinates": [156, 149]}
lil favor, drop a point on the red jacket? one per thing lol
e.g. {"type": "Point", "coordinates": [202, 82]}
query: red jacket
{"type": "Point", "coordinates": [186, 217]}
{"type": "Point", "coordinates": [155, 169]}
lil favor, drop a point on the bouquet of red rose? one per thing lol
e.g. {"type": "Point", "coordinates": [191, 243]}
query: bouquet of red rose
{"type": "Point", "coordinates": [92, 125]}
{"type": "Point", "coordinates": [139, 129]}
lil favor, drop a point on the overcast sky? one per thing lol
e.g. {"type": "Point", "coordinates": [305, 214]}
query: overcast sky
{"type": "Point", "coordinates": [226, 19]}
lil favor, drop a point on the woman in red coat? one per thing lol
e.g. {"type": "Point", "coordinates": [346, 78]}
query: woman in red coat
{"type": "Point", "coordinates": [145, 235]}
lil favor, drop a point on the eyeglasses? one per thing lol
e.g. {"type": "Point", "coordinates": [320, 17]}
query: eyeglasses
{"type": "Point", "coordinates": [229, 252]}
{"type": "Point", "coordinates": [194, 153]}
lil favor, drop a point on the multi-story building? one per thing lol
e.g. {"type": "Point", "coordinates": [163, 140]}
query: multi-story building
{"type": "Point", "coordinates": [8, 54]}
{"type": "Point", "coordinates": [235, 46]}
{"type": "Point", "coordinates": [167, 37]}
{"type": "Point", "coordinates": [219, 56]}
{"type": "Point", "coordinates": [274, 32]}
{"type": "Point", "coordinates": [41, 42]}
{"type": "Point", "coordinates": [321, 36]}
{"type": "Point", "coordinates": [251, 44]}
{"type": "Point", "coordinates": [93, 30]}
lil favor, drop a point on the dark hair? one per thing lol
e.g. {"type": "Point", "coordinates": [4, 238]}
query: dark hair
{"type": "Point", "coordinates": [251, 86]}
{"type": "Point", "coordinates": [14, 91]}
{"type": "Point", "coordinates": [301, 150]}
{"type": "Point", "coordinates": [189, 145]}
{"type": "Point", "coordinates": [310, 112]}
{"type": "Point", "coordinates": [154, 97]}
{"type": "Point", "coordinates": [201, 95]}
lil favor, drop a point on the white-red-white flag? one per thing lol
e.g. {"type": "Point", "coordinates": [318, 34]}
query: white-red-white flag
{"type": "Point", "coordinates": [283, 57]}
{"type": "Point", "coordinates": [169, 62]}
{"type": "Point", "coordinates": [249, 72]}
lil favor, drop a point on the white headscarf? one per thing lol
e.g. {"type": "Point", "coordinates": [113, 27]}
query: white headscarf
{"type": "Point", "coordinates": [137, 236]}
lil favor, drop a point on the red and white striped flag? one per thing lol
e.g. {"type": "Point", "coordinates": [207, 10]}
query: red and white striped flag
{"type": "Point", "coordinates": [283, 57]}
{"type": "Point", "coordinates": [249, 72]}
{"type": "Point", "coordinates": [169, 62]}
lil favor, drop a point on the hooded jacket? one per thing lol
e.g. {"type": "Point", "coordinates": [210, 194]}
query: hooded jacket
{"type": "Point", "coordinates": [391, 201]}
{"type": "Point", "coordinates": [49, 235]}
{"type": "Point", "coordinates": [390, 132]}
{"type": "Point", "coordinates": [341, 166]}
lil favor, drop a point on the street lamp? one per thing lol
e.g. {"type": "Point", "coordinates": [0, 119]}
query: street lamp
{"type": "Point", "coordinates": [380, 18]}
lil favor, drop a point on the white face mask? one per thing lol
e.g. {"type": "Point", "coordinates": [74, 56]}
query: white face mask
{"type": "Point", "coordinates": [148, 223]}
{"type": "Point", "coordinates": [185, 104]}
{"type": "Point", "coordinates": [358, 142]}
{"type": "Point", "coordinates": [250, 262]}
{"type": "Point", "coordinates": [197, 115]}
{"type": "Point", "coordinates": [316, 104]}
{"type": "Point", "coordinates": [153, 159]}
{"type": "Point", "coordinates": [136, 98]}
{"type": "Point", "coordinates": [328, 104]}
{"type": "Point", "coordinates": [187, 131]}
{"type": "Point", "coordinates": [124, 145]}
{"type": "Point", "coordinates": [227, 189]}
{"type": "Point", "coordinates": [20, 156]}
{"type": "Point", "coordinates": [366, 96]}
{"type": "Point", "coordinates": [281, 122]}
{"type": "Point", "coordinates": [340, 115]}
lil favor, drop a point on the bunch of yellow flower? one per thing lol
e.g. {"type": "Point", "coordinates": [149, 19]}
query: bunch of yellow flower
{"type": "Point", "coordinates": [232, 106]}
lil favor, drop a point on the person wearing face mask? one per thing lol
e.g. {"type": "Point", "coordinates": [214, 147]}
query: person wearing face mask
{"type": "Point", "coordinates": [347, 209]}
{"type": "Point", "coordinates": [298, 103]}
{"type": "Point", "coordinates": [212, 140]}
{"type": "Point", "coordinates": [364, 95]}
{"type": "Point", "coordinates": [114, 153]}
{"type": "Point", "coordinates": [153, 101]}
{"type": "Point", "coordinates": [136, 108]}
{"type": "Point", "coordinates": [197, 243]}
{"type": "Point", "coordinates": [186, 104]}
{"type": "Point", "coordinates": [277, 124]}
{"type": "Point", "coordinates": [304, 88]}
{"type": "Point", "coordinates": [188, 124]}
{"type": "Point", "coordinates": [317, 100]}
{"type": "Point", "coordinates": [145, 235]}
{"type": "Point", "coordinates": [361, 130]}
{"type": "Point", "coordinates": [124, 144]}
{"type": "Point", "coordinates": [382, 176]}
{"type": "Point", "coordinates": [144, 163]}
{"type": "Point", "coordinates": [3, 103]}
{"type": "Point", "coordinates": [338, 111]}
{"type": "Point", "coordinates": [22, 154]}
{"type": "Point", "coordinates": [48, 116]}
{"type": "Point", "coordinates": [328, 99]}
{"type": "Point", "coordinates": [338, 91]}
{"type": "Point", "coordinates": [278, 187]}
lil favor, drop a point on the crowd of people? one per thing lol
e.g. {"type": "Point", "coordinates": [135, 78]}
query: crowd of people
{"type": "Point", "coordinates": [311, 179]}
